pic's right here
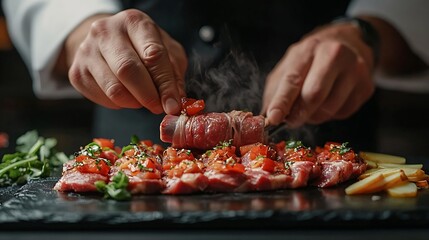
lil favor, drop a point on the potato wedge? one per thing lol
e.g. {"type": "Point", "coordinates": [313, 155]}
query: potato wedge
{"type": "Point", "coordinates": [394, 180]}
{"type": "Point", "coordinates": [394, 165]}
{"type": "Point", "coordinates": [382, 158]}
{"type": "Point", "coordinates": [408, 189]}
{"type": "Point", "coordinates": [366, 185]}
{"type": "Point", "coordinates": [416, 175]}
{"type": "Point", "coordinates": [423, 184]}
{"type": "Point", "coordinates": [371, 164]}
{"type": "Point", "coordinates": [385, 171]}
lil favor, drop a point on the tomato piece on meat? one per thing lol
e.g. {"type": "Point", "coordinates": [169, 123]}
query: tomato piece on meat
{"type": "Point", "coordinates": [85, 164]}
{"type": "Point", "coordinates": [110, 155]}
{"type": "Point", "coordinates": [268, 165]}
{"type": "Point", "coordinates": [236, 168]}
{"type": "Point", "coordinates": [295, 151]}
{"type": "Point", "coordinates": [147, 143]}
{"type": "Point", "coordinates": [105, 143]}
{"type": "Point", "coordinates": [176, 156]}
{"type": "Point", "coordinates": [333, 151]}
{"type": "Point", "coordinates": [246, 148]}
{"type": "Point", "coordinates": [191, 106]}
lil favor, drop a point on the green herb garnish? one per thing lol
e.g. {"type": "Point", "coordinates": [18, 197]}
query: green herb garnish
{"type": "Point", "coordinates": [35, 158]}
{"type": "Point", "coordinates": [223, 144]}
{"type": "Point", "coordinates": [293, 144]}
{"type": "Point", "coordinates": [342, 149]}
{"type": "Point", "coordinates": [116, 189]}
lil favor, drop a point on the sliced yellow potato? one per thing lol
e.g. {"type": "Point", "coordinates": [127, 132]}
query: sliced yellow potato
{"type": "Point", "coordinates": [394, 180]}
{"type": "Point", "coordinates": [366, 185]}
{"type": "Point", "coordinates": [381, 158]}
{"type": "Point", "coordinates": [423, 184]}
{"type": "Point", "coordinates": [385, 171]}
{"type": "Point", "coordinates": [410, 172]}
{"type": "Point", "coordinates": [371, 164]}
{"type": "Point", "coordinates": [417, 178]}
{"type": "Point", "coordinates": [408, 189]}
{"type": "Point", "coordinates": [394, 165]}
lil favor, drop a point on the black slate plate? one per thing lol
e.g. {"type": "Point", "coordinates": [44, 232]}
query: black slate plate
{"type": "Point", "coordinates": [36, 206]}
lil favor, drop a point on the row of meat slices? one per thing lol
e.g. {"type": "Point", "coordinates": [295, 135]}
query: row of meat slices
{"type": "Point", "coordinates": [257, 167]}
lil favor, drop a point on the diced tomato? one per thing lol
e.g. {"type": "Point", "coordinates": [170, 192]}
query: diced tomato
{"type": "Point", "coordinates": [110, 155]}
{"type": "Point", "coordinates": [151, 175]}
{"type": "Point", "coordinates": [260, 150]}
{"type": "Point", "coordinates": [130, 152]}
{"type": "Point", "coordinates": [237, 168]}
{"type": "Point", "coordinates": [147, 143]}
{"type": "Point", "coordinates": [330, 145]}
{"type": "Point", "coordinates": [157, 149]}
{"type": "Point", "coordinates": [280, 145]}
{"type": "Point", "coordinates": [86, 164]}
{"type": "Point", "coordinates": [148, 163]}
{"type": "Point", "coordinates": [333, 151]}
{"type": "Point", "coordinates": [191, 167]}
{"type": "Point", "coordinates": [105, 143]}
{"type": "Point", "coordinates": [318, 149]}
{"type": "Point", "coordinates": [4, 140]}
{"type": "Point", "coordinates": [246, 148]}
{"type": "Point", "coordinates": [192, 106]}
{"type": "Point", "coordinates": [175, 172]}
{"type": "Point", "coordinates": [118, 150]}
{"type": "Point", "coordinates": [268, 165]}
{"type": "Point", "coordinates": [300, 154]}
{"type": "Point", "coordinates": [176, 156]}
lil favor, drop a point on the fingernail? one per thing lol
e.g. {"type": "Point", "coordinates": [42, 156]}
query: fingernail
{"type": "Point", "coordinates": [275, 116]}
{"type": "Point", "coordinates": [171, 106]}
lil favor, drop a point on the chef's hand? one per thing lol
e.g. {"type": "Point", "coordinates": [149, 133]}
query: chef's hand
{"type": "Point", "coordinates": [126, 61]}
{"type": "Point", "coordinates": [325, 76]}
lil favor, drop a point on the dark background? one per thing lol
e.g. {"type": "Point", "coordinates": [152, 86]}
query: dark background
{"type": "Point", "coordinates": [403, 117]}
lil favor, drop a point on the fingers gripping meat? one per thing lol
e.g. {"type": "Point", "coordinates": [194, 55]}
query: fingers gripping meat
{"type": "Point", "coordinates": [205, 131]}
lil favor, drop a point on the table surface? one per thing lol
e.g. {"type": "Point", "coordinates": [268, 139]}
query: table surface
{"type": "Point", "coordinates": [36, 206]}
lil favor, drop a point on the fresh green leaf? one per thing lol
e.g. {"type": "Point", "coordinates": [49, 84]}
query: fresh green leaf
{"type": "Point", "coordinates": [116, 189]}
{"type": "Point", "coordinates": [26, 141]}
{"type": "Point", "coordinates": [134, 139]}
{"type": "Point", "coordinates": [293, 144]}
{"type": "Point", "coordinates": [35, 157]}
{"type": "Point", "coordinates": [341, 149]}
{"type": "Point", "coordinates": [126, 148]}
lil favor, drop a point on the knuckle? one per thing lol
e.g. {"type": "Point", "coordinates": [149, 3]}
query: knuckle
{"type": "Point", "coordinates": [85, 48]}
{"type": "Point", "coordinates": [127, 68]}
{"type": "Point", "coordinates": [152, 53]}
{"type": "Point", "coordinates": [338, 49]}
{"type": "Point", "coordinates": [305, 45]}
{"type": "Point", "coordinates": [99, 28]}
{"type": "Point", "coordinates": [116, 92]}
{"type": "Point", "coordinates": [294, 79]}
{"type": "Point", "coordinates": [133, 16]}
{"type": "Point", "coordinates": [77, 76]}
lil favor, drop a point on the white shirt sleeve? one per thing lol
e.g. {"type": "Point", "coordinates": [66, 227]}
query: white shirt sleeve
{"type": "Point", "coordinates": [39, 28]}
{"type": "Point", "coordinates": [411, 19]}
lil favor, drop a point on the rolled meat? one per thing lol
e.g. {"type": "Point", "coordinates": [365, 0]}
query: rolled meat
{"type": "Point", "coordinates": [206, 131]}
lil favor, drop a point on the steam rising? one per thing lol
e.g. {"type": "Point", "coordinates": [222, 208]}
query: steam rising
{"type": "Point", "coordinates": [235, 84]}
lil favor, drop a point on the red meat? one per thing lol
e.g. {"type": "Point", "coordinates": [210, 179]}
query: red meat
{"type": "Point", "coordinates": [205, 131]}
{"type": "Point", "coordinates": [183, 174]}
{"type": "Point", "coordinates": [74, 180]}
{"type": "Point", "coordinates": [339, 164]}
